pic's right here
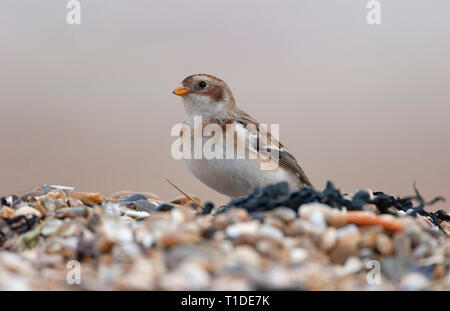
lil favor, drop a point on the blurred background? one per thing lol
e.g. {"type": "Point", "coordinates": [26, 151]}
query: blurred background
{"type": "Point", "coordinates": [90, 105]}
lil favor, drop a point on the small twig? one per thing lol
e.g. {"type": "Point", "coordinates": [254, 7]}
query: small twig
{"type": "Point", "coordinates": [185, 194]}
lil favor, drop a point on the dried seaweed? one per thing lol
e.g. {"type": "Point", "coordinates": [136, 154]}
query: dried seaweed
{"type": "Point", "coordinates": [276, 195]}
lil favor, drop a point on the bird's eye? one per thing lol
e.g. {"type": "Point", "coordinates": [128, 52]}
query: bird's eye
{"type": "Point", "coordinates": [202, 84]}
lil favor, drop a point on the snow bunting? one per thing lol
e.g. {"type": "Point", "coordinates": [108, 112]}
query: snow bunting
{"type": "Point", "coordinates": [211, 99]}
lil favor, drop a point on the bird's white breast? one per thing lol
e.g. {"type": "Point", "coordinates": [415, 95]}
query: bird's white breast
{"type": "Point", "coordinates": [238, 177]}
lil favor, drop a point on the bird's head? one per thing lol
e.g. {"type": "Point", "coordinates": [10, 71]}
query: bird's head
{"type": "Point", "coordinates": [205, 95]}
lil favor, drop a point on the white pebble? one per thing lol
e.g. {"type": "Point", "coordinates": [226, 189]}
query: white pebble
{"type": "Point", "coordinates": [249, 227]}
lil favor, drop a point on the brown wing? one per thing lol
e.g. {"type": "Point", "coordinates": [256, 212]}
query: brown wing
{"type": "Point", "coordinates": [273, 148]}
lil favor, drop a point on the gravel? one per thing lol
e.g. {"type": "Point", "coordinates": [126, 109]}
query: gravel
{"type": "Point", "coordinates": [272, 239]}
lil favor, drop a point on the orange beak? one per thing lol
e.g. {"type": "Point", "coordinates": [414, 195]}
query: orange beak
{"type": "Point", "coordinates": [180, 91]}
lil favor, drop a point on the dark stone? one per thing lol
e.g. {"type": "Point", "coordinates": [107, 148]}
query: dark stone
{"type": "Point", "coordinates": [164, 207]}
{"type": "Point", "coordinates": [132, 198]}
{"type": "Point", "coordinates": [145, 205]}
{"type": "Point", "coordinates": [396, 267]}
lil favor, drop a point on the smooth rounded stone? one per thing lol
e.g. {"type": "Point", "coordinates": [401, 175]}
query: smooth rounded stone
{"type": "Point", "coordinates": [15, 263]}
{"type": "Point", "coordinates": [347, 246]}
{"type": "Point", "coordinates": [77, 211]}
{"type": "Point", "coordinates": [145, 205]}
{"type": "Point", "coordinates": [306, 210]}
{"type": "Point", "coordinates": [333, 217]}
{"type": "Point", "coordinates": [7, 212]}
{"type": "Point", "coordinates": [369, 237]}
{"type": "Point", "coordinates": [367, 253]}
{"type": "Point", "coordinates": [269, 248]}
{"type": "Point", "coordinates": [396, 267]}
{"type": "Point", "coordinates": [402, 245]}
{"type": "Point", "coordinates": [88, 198]}
{"type": "Point", "coordinates": [422, 250]}
{"type": "Point", "coordinates": [70, 242]}
{"type": "Point", "coordinates": [347, 230]}
{"type": "Point", "coordinates": [414, 281]}
{"type": "Point", "coordinates": [244, 255]}
{"type": "Point", "coordinates": [328, 239]}
{"type": "Point", "coordinates": [32, 194]}
{"type": "Point", "coordinates": [117, 231]}
{"type": "Point", "coordinates": [271, 232]}
{"type": "Point", "coordinates": [317, 219]}
{"type": "Point", "coordinates": [171, 239]}
{"type": "Point", "coordinates": [165, 207]}
{"type": "Point", "coordinates": [75, 202]}
{"type": "Point", "coordinates": [182, 214]}
{"type": "Point", "coordinates": [131, 250]}
{"type": "Point", "coordinates": [284, 213]}
{"type": "Point", "coordinates": [112, 209]}
{"type": "Point", "coordinates": [248, 227]}
{"type": "Point", "coordinates": [53, 200]}
{"type": "Point", "coordinates": [132, 198]}
{"type": "Point", "coordinates": [384, 244]}
{"type": "Point", "coordinates": [51, 227]}
{"type": "Point", "coordinates": [136, 214]}
{"type": "Point", "coordinates": [298, 255]}
{"type": "Point", "coordinates": [185, 201]}
{"type": "Point", "coordinates": [145, 238]}
{"type": "Point", "coordinates": [302, 226]}
{"type": "Point", "coordinates": [148, 195]}
{"type": "Point", "coordinates": [352, 265]}
{"type": "Point", "coordinates": [274, 222]}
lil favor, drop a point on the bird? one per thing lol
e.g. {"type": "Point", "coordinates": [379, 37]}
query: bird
{"type": "Point", "coordinates": [210, 98]}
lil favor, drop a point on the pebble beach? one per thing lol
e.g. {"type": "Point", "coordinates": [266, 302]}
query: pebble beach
{"type": "Point", "coordinates": [270, 240]}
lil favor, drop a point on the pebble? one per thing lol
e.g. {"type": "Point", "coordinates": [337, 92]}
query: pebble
{"type": "Point", "coordinates": [145, 205]}
{"type": "Point", "coordinates": [318, 220]}
{"type": "Point", "coordinates": [298, 255]}
{"type": "Point", "coordinates": [384, 244]}
{"type": "Point", "coordinates": [7, 212]}
{"type": "Point", "coordinates": [137, 214]}
{"type": "Point", "coordinates": [328, 239]}
{"type": "Point", "coordinates": [88, 198]}
{"type": "Point", "coordinates": [396, 267]}
{"type": "Point", "coordinates": [79, 211]}
{"type": "Point", "coordinates": [132, 198]}
{"type": "Point", "coordinates": [244, 256]}
{"type": "Point", "coordinates": [249, 227]}
{"type": "Point", "coordinates": [284, 213]}
{"type": "Point", "coordinates": [414, 282]}
{"type": "Point", "coordinates": [271, 232]}
{"type": "Point", "coordinates": [51, 227]}
{"type": "Point", "coordinates": [53, 200]}
{"type": "Point", "coordinates": [347, 246]}
{"type": "Point", "coordinates": [402, 245]}
{"type": "Point", "coordinates": [352, 265]}
{"type": "Point", "coordinates": [347, 230]}
{"type": "Point", "coordinates": [26, 211]}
